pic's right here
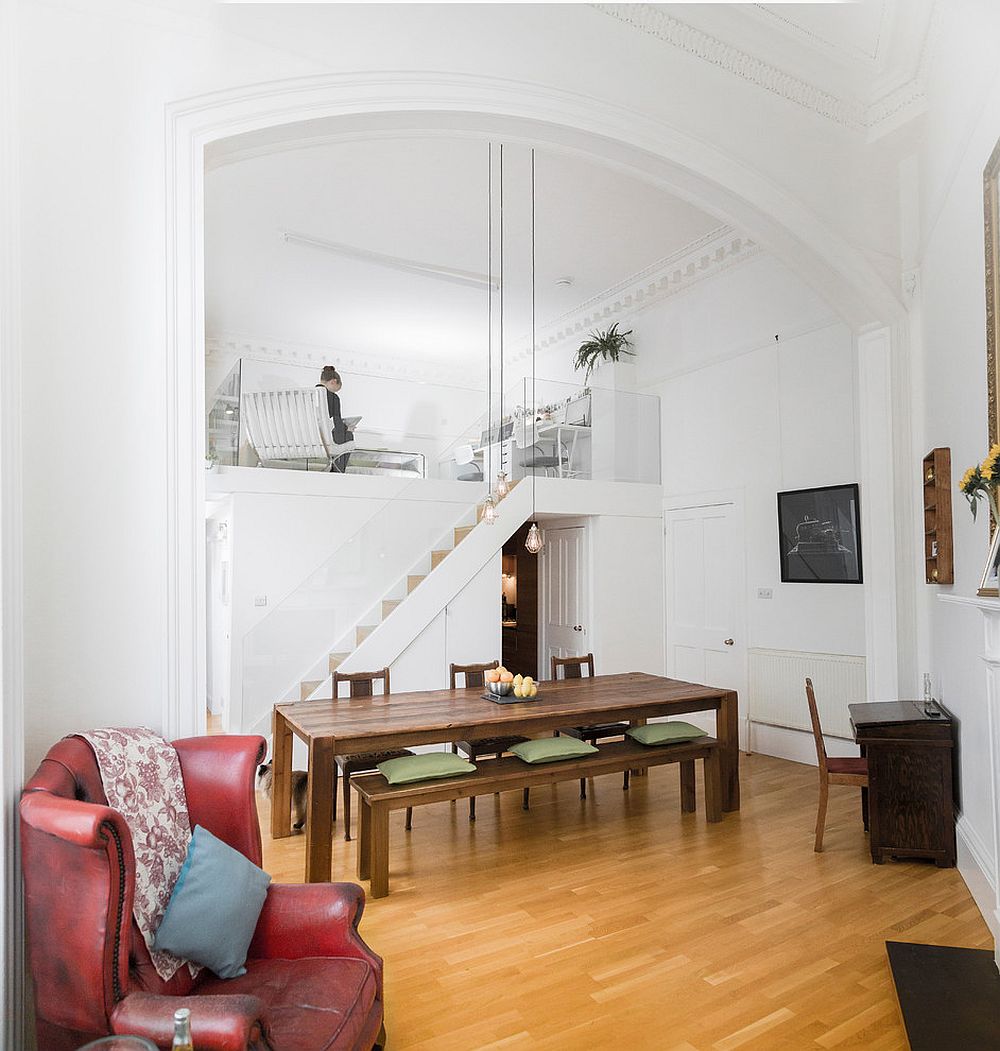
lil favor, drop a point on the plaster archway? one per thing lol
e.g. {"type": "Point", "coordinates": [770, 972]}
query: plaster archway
{"type": "Point", "coordinates": [303, 109]}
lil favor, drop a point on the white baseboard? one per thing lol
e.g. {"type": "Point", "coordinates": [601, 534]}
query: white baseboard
{"type": "Point", "coordinates": [975, 865]}
{"type": "Point", "coordinates": [795, 745]}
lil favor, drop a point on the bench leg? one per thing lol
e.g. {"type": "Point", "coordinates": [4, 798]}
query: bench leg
{"type": "Point", "coordinates": [472, 808]}
{"type": "Point", "coordinates": [689, 793]}
{"type": "Point", "coordinates": [524, 799]}
{"type": "Point", "coordinates": [713, 786]}
{"type": "Point", "coordinates": [380, 851]}
{"type": "Point", "coordinates": [409, 818]}
{"type": "Point", "coordinates": [625, 781]}
{"type": "Point", "coordinates": [583, 788]}
{"type": "Point", "coordinates": [333, 797]}
{"type": "Point", "coordinates": [347, 807]}
{"type": "Point", "coordinates": [364, 839]}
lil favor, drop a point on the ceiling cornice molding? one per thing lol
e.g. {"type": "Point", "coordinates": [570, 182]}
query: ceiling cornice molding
{"type": "Point", "coordinates": [224, 349]}
{"type": "Point", "coordinates": [882, 114]}
{"type": "Point", "coordinates": [708, 257]}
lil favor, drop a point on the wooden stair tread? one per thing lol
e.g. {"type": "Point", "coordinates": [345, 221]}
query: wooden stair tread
{"type": "Point", "coordinates": [336, 659]}
{"type": "Point", "coordinates": [388, 605]}
{"type": "Point", "coordinates": [363, 631]}
{"type": "Point", "coordinates": [437, 557]}
{"type": "Point", "coordinates": [308, 687]}
{"type": "Point", "coordinates": [413, 581]}
{"type": "Point", "coordinates": [461, 532]}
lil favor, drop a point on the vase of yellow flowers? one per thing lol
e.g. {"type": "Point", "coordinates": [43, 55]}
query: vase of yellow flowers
{"type": "Point", "coordinates": [982, 480]}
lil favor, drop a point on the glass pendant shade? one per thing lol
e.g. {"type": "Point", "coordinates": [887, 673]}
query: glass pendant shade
{"type": "Point", "coordinates": [503, 486]}
{"type": "Point", "coordinates": [533, 541]}
{"type": "Point", "coordinates": [489, 511]}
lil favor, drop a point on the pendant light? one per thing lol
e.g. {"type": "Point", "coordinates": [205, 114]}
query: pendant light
{"type": "Point", "coordinates": [502, 486]}
{"type": "Point", "coordinates": [489, 515]}
{"type": "Point", "coordinates": [533, 541]}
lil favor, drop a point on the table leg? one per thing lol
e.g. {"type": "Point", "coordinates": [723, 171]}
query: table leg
{"type": "Point", "coordinates": [281, 776]}
{"type": "Point", "coordinates": [364, 838]}
{"type": "Point", "coordinates": [727, 731]}
{"type": "Point", "coordinates": [379, 851]}
{"type": "Point", "coordinates": [319, 812]}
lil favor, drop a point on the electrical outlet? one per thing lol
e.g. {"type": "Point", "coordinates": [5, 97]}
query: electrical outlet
{"type": "Point", "coordinates": [765, 592]}
{"type": "Point", "coordinates": [260, 600]}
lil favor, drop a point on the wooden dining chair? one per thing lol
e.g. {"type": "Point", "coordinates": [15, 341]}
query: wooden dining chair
{"type": "Point", "coordinates": [834, 771]}
{"type": "Point", "coordinates": [572, 668]}
{"type": "Point", "coordinates": [474, 678]}
{"type": "Point", "coordinates": [361, 685]}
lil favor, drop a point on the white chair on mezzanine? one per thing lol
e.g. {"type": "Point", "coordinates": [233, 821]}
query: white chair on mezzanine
{"type": "Point", "coordinates": [293, 425]}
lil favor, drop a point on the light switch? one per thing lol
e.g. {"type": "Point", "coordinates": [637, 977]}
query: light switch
{"type": "Point", "coordinates": [260, 600]}
{"type": "Point", "coordinates": [765, 592]}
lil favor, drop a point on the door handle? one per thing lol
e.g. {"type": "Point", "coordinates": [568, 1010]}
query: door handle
{"type": "Point", "coordinates": [730, 642]}
{"type": "Point", "coordinates": [578, 627]}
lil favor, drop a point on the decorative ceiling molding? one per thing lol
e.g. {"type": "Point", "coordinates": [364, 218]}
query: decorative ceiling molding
{"type": "Point", "coordinates": [873, 118]}
{"type": "Point", "coordinates": [708, 257]}
{"type": "Point", "coordinates": [224, 350]}
{"type": "Point", "coordinates": [793, 28]}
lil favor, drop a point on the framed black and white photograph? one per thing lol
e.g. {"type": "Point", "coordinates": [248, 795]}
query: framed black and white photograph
{"type": "Point", "coordinates": [819, 535]}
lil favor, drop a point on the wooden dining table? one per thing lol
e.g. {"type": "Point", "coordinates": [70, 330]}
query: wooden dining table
{"type": "Point", "coordinates": [368, 724]}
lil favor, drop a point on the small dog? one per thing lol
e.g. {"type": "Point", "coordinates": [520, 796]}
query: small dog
{"type": "Point", "coordinates": [300, 787]}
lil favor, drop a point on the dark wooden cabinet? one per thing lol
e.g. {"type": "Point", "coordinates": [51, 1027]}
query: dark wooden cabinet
{"type": "Point", "coordinates": [910, 801]}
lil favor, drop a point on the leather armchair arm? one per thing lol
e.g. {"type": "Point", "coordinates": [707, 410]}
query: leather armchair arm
{"type": "Point", "coordinates": [312, 919]}
{"type": "Point", "coordinates": [218, 1023]}
{"type": "Point", "coordinates": [78, 889]}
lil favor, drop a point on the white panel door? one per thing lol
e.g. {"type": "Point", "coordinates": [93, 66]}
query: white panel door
{"type": "Point", "coordinates": [704, 568]}
{"type": "Point", "coordinates": [566, 614]}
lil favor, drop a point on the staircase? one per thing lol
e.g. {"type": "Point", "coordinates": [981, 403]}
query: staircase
{"type": "Point", "coordinates": [400, 615]}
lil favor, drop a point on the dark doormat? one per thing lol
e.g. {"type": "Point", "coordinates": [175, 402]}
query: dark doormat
{"type": "Point", "coordinates": [950, 998]}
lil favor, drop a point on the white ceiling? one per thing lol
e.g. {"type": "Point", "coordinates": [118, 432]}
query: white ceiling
{"type": "Point", "coordinates": [422, 199]}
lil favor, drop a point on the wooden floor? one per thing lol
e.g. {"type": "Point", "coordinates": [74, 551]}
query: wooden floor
{"type": "Point", "coordinates": [620, 923]}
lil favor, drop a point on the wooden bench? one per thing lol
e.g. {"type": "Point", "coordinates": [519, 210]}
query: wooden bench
{"type": "Point", "coordinates": [377, 797]}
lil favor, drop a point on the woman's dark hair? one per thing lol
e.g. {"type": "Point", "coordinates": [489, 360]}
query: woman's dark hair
{"type": "Point", "coordinates": [329, 373]}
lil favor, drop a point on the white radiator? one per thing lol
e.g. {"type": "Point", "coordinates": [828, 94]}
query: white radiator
{"type": "Point", "coordinates": [777, 694]}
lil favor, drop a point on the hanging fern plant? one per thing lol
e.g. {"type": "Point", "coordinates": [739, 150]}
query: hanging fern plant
{"type": "Point", "coordinates": [608, 345]}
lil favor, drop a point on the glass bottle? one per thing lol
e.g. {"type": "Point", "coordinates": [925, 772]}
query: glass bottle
{"type": "Point", "coordinates": [182, 1030]}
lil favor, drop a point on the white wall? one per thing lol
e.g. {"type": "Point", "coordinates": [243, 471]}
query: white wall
{"type": "Point", "coordinates": [761, 416]}
{"type": "Point", "coordinates": [963, 126]}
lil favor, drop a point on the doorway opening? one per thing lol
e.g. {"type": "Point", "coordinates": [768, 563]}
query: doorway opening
{"type": "Point", "coordinates": [519, 606]}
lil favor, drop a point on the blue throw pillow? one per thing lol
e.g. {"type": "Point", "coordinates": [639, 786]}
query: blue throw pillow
{"type": "Point", "coordinates": [213, 911]}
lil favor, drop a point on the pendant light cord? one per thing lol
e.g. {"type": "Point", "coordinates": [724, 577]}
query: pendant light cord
{"type": "Point", "coordinates": [500, 422]}
{"type": "Point", "coordinates": [534, 406]}
{"type": "Point", "coordinates": [489, 327]}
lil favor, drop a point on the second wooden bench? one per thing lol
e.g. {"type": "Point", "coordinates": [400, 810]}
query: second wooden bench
{"type": "Point", "coordinates": [378, 798]}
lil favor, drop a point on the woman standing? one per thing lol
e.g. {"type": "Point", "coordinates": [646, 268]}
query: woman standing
{"type": "Point", "coordinates": [330, 379]}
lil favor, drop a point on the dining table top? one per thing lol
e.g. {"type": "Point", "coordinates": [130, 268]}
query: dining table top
{"type": "Point", "coordinates": [423, 716]}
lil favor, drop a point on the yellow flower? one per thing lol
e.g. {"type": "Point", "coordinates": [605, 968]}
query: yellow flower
{"type": "Point", "coordinates": [990, 468]}
{"type": "Point", "coordinates": [968, 478]}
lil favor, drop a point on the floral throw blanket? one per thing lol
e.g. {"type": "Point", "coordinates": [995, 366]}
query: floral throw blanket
{"type": "Point", "coordinates": [142, 780]}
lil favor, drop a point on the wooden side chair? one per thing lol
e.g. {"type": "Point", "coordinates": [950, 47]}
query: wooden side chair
{"type": "Point", "coordinates": [361, 684]}
{"type": "Point", "coordinates": [572, 668]}
{"type": "Point", "coordinates": [834, 771]}
{"type": "Point", "coordinates": [474, 677]}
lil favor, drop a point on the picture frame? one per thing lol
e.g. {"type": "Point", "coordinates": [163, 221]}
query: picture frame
{"type": "Point", "coordinates": [989, 586]}
{"type": "Point", "coordinates": [991, 244]}
{"type": "Point", "coordinates": [819, 535]}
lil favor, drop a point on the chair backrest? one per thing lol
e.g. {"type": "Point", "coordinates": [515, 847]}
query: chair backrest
{"type": "Point", "coordinates": [475, 674]}
{"type": "Point", "coordinates": [362, 683]}
{"type": "Point", "coordinates": [290, 424]}
{"type": "Point", "coordinates": [464, 455]}
{"type": "Point", "coordinates": [573, 666]}
{"type": "Point", "coordinates": [816, 728]}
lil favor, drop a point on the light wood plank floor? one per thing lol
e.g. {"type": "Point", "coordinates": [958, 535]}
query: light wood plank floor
{"type": "Point", "coordinates": [620, 923]}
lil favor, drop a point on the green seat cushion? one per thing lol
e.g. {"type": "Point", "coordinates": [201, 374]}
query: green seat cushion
{"type": "Point", "coordinates": [551, 749]}
{"type": "Point", "coordinates": [665, 733]}
{"type": "Point", "coordinates": [425, 767]}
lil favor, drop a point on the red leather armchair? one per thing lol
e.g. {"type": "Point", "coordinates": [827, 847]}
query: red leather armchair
{"type": "Point", "coordinates": [311, 983]}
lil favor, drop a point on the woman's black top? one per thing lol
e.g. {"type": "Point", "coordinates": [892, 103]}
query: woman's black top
{"type": "Point", "coordinates": [340, 432]}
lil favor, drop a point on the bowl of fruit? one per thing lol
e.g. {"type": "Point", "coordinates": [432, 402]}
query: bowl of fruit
{"type": "Point", "coordinates": [502, 683]}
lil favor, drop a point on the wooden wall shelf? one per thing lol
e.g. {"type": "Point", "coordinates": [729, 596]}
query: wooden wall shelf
{"type": "Point", "coordinates": [939, 564]}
